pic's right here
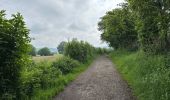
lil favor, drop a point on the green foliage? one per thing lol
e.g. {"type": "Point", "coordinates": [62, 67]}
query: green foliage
{"type": "Point", "coordinates": [79, 50]}
{"type": "Point", "coordinates": [44, 51]}
{"type": "Point", "coordinates": [147, 75]}
{"type": "Point", "coordinates": [60, 83]}
{"type": "Point", "coordinates": [148, 70]}
{"type": "Point", "coordinates": [65, 64]}
{"type": "Point", "coordinates": [61, 46]}
{"type": "Point", "coordinates": [14, 42]}
{"type": "Point", "coordinates": [152, 24]}
{"type": "Point", "coordinates": [118, 28]}
{"type": "Point", "coordinates": [143, 23]}
{"type": "Point", "coordinates": [37, 76]}
{"type": "Point", "coordinates": [44, 80]}
{"type": "Point", "coordinates": [32, 50]}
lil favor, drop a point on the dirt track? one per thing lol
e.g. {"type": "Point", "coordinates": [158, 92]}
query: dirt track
{"type": "Point", "coordinates": [100, 81]}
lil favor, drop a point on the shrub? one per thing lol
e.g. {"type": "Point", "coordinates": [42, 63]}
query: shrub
{"type": "Point", "coordinates": [65, 64]}
{"type": "Point", "coordinates": [38, 76]}
{"type": "Point", "coordinates": [14, 42]}
{"type": "Point", "coordinates": [79, 50]}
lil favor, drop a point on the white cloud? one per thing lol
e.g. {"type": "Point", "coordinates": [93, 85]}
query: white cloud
{"type": "Point", "coordinates": [53, 21]}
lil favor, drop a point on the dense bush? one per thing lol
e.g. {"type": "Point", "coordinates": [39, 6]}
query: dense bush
{"type": "Point", "coordinates": [65, 64]}
{"type": "Point", "coordinates": [44, 52]}
{"type": "Point", "coordinates": [14, 41]}
{"type": "Point", "coordinates": [37, 76]}
{"type": "Point", "coordinates": [79, 50]}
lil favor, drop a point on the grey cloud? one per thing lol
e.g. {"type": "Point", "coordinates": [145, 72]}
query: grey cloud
{"type": "Point", "coordinates": [52, 21]}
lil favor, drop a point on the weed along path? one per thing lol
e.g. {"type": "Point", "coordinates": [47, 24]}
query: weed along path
{"type": "Point", "coordinates": [100, 81]}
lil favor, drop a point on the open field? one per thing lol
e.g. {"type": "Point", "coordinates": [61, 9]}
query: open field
{"type": "Point", "coordinates": [47, 58]}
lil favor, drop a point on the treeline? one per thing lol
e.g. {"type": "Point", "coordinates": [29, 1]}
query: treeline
{"type": "Point", "coordinates": [138, 24]}
{"type": "Point", "coordinates": [139, 32]}
{"type": "Point", "coordinates": [80, 50]}
{"type": "Point", "coordinates": [45, 51]}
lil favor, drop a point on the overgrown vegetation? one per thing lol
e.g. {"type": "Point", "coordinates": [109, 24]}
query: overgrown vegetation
{"type": "Point", "coordinates": [44, 80]}
{"type": "Point", "coordinates": [65, 64]}
{"type": "Point", "coordinates": [147, 75]}
{"type": "Point", "coordinates": [79, 50]}
{"type": "Point", "coordinates": [141, 26]}
{"type": "Point", "coordinates": [14, 41]}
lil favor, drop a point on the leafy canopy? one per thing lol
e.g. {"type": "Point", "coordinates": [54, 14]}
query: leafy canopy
{"type": "Point", "coordinates": [118, 28]}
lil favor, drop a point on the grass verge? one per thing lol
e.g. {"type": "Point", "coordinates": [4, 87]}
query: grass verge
{"type": "Point", "coordinates": [147, 75]}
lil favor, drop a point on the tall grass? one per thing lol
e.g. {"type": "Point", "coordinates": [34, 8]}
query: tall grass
{"type": "Point", "coordinates": [147, 75]}
{"type": "Point", "coordinates": [39, 59]}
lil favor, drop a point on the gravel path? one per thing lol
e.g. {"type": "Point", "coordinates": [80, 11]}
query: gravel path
{"type": "Point", "coordinates": [100, 81]}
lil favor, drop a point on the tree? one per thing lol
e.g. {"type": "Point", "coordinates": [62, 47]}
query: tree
{"type": "Point", "coordinates": [152, 24]}
{"type": "Point", "coordinates": [44, 51]}
{"type": "Point", "coordinates": [61, 47]}
{"type": "Point", "coordinates": [32, 50]}
{"type": "Point", "coordinates": [118, 28]}
{"type": "Point", "coordinates": [14, 41]}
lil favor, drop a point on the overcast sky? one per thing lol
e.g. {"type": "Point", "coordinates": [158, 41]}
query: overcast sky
{"type": "Point", "coordinates": [53, 21]}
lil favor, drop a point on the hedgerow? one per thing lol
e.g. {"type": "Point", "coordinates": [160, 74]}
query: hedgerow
{"type": "Point", "coordinates": [14, 42]}
{"type": "Point", "coordinates": [79, 50]}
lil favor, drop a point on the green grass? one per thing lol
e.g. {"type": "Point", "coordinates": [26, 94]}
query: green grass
{"type": "Point", "coordinates": [60, 83]}
{"type": "Point", "coordinates": [147, 75]}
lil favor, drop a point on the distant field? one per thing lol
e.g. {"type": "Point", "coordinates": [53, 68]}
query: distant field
{"type": "Point", "coordinates": [47, 58]}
